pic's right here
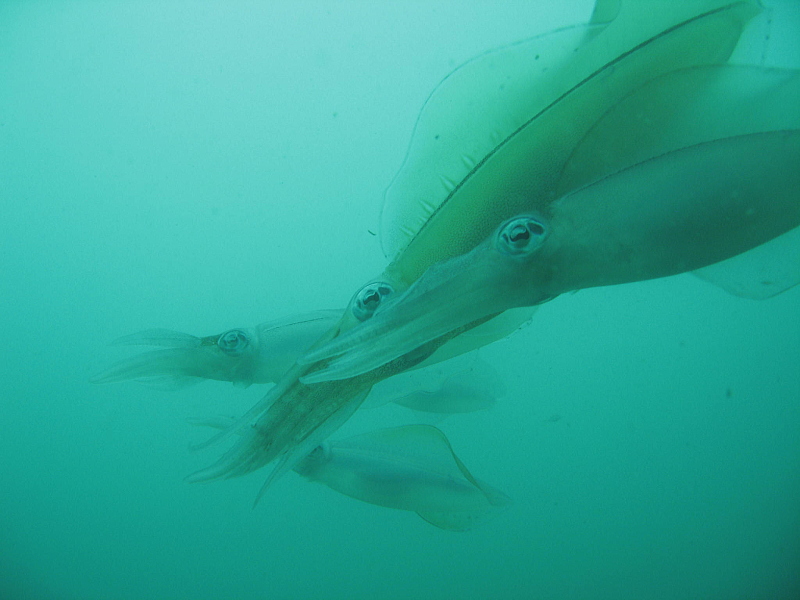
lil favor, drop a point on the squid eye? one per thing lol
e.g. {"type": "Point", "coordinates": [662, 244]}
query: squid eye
{"type": "Point", "coordinates": [520, 236]}
{"type": "Point", "coordinates": [369, 298]}
{"type": "Point", "coordinates": [233, 342]}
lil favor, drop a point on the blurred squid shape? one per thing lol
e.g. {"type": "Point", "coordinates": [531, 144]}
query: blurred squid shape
{"type": "Point", "coordinates": [410, 468]}
{"type": "Point", "coordinates": [463, 384]}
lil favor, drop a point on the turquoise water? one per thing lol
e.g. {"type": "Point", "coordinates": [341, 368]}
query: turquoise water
{"type": "Point", "coordinates": [203, 166]}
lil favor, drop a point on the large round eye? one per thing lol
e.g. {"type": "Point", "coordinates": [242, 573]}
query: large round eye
{"type": "Point", "coordinates": [233, 342]}
{"type": "Point", "coordinates": [369, 298]}
{"type": "Point", "coordinates": [520, 236]}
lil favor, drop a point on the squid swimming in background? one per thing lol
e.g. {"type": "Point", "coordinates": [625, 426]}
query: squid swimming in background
{"type": "Point", "coordinates": [625, 149]}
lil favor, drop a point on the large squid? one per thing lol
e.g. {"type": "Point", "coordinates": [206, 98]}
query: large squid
{"type": "Point", "coordinates": [622, 150]}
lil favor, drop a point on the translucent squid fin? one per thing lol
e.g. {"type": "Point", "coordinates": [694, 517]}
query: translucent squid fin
{"type": "Point", "coordinates": [512, 104]}
{"type": "Point", "coordinates": [605, 11]}
{"type": "Point", "coordinates": [467, 520]}
{"type": "Point", "coordinates": [760, 273]}
{"type": "Point", "coordinates": [680, 109]}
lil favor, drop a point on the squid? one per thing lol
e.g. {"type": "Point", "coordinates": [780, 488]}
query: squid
{"type": "Point", "coordinates": [412, 467]}
{"type": "Point", "coordinates": [625, 149]}
{"type": "Point", "coordinates": [242, 356]}
{"type": "Point", "coordinates": [261, 354]}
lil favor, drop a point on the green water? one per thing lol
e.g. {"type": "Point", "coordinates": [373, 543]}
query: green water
{"type": "Point", "coordinates": [206, 165]}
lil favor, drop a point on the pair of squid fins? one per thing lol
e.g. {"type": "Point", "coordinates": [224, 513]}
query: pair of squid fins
{"type": "Point", "coordinates": [410, 468]}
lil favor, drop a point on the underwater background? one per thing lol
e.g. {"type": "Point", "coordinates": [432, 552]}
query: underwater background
{"type": "Point", "coordinates": [200, 166]}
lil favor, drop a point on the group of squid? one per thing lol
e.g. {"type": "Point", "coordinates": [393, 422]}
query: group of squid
{"type": "Point", "coordinates": [631, 147]}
